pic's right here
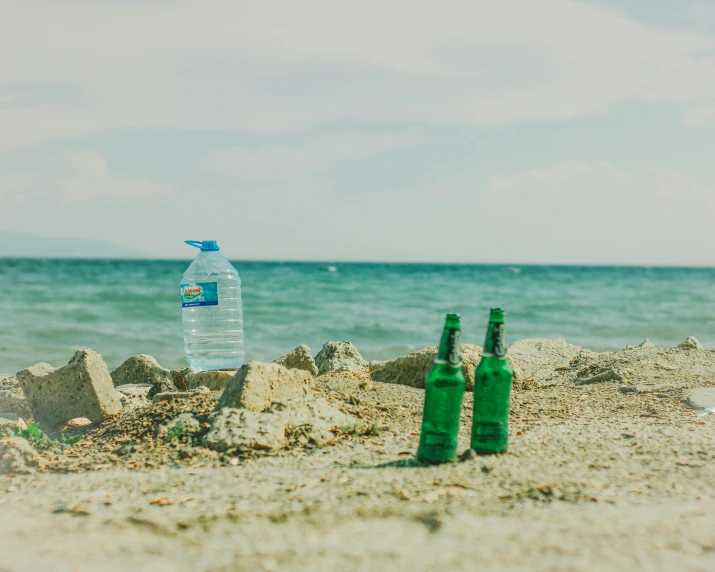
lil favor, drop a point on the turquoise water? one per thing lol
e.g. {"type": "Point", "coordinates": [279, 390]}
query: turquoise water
{"type": "Point", "coordinates": [49, 308]}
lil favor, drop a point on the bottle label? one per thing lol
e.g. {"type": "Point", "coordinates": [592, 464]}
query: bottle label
{"type": "Point", "coordinates": [439, 440]}
{"type": "Point", "coordinates": [495, 345]}
{"type": "Point", "coordinates": [453, 354]}
{"type": "Point", "coordinates": [199, 294]}
{"type": "Point", "coordinates": [446, 382]}
{"type": "Point", "coordinates": [487, 432]}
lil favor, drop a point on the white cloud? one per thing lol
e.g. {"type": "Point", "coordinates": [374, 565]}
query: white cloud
{"type": "Point", "coordinates": [570, 180]}
{"type": "Point", "coordinates": [552, 178]}
{"type": "Point", "coordinates": [76, 177]}
{"type": "Point", "coordinates": [278, 65]}
{"type": "Point", "coordinates": [600, 213]}
{"type": "Point", "coordinates": [700, 115]}
{"type": "Point", "coordinates": [278, 162]}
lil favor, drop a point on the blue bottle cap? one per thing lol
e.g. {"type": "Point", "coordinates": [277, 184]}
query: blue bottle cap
{"type": "Point", "coordinates": [204, 245]}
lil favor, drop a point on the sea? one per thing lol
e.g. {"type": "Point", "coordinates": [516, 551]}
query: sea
{"type": "Point", "coordinates": [49, 308]}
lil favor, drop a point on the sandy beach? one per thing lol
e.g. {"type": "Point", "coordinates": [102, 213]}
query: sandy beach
{"type": "Point", "coordinates": [609, 468]}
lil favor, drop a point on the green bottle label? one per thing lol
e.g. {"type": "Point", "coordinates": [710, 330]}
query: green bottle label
{"type": "Point", "coordinates": [495, 345]}
{"type": "Point", "coordinates": [439, 440]}
{"type": "Point", "coordinates": [445, 382]}
{"type": "Point", "coordinates": [490, 433]}
{"type": "Point", "coordinates": [451, 353]}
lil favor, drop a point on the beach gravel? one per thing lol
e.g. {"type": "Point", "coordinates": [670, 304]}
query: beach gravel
{"type": "Point", "coordinates": [336, 357]}
{"type": "Point", "coordinates": [182, 426]}
{"type": "Point", "coordinates": [82, 388]}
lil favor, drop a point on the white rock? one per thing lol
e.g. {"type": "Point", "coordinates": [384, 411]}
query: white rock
{"type": "Point", "coordinates": [12, 398]}
{"type": "Point", "coordinates": [299, 358]}
{"type": "Point", "coordinates": [144, 369]}
{"type": "Point", "coordinates": [298, 420]}
{"type": "Point", "coordinates": [702, 398]}
{"type": "Point", "coordinates": [691, 343]}
{"type": "Point", "coordinates": [82, 388]}
{"type": "Point", "coordinates": [336, 357]}
{"type": "Point", "coordinates": [214, 380]}
{"type": "Point", "coordinates": [258, 385]}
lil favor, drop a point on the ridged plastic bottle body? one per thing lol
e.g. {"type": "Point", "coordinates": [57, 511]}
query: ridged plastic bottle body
{"type": "Point", "coordinates": [213, 334]}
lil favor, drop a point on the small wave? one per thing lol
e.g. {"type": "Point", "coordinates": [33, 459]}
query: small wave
{"type": "Point", "coordinates": [331, 269]}
{"type": "Point", "coordinates": [515, 270]}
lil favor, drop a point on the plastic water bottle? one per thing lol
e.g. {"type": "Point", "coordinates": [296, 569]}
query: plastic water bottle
{"type": "Point", "coordinates": [212, 310]}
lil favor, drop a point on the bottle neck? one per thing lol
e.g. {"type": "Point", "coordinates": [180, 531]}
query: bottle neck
{"type": "Point", "coordinates": [495, 344]}
{"type": "Point", "coordinates": [450, 348]}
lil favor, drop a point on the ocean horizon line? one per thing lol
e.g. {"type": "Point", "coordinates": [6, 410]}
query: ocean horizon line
{"type": "Point", "coordinates": [372, 262]}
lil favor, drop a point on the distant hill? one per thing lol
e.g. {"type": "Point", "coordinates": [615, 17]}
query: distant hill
{"type": "Point", "coordinates": [18, 245]}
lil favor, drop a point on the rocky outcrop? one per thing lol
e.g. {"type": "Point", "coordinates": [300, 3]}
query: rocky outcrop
{"type": "Point", "coordinates": [258, 385]}
{"type": "Point", "coordinates": [144, 369]}
{"type": "Point", "coordinates": [336, 357]}
{"type": "Point", "coordinates": [292, 422]}
{"type": "Point", "coordinates": [691, 343]}
{"type": "Point", "coordinates": [299, 358]}
{"type": "Point", "coordinates": [412, 369]}
{"type": "Point", "coordinates": [82, 388]}
{"type": "Point", "coordinates": [12, 398]}
{"type": "Point", "coordinates": [18, 457]}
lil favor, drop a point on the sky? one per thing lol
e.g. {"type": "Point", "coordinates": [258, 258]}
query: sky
{"type": "Point", "coordinates": [558, 131]}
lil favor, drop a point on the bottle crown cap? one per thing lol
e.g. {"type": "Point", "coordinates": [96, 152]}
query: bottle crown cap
{"type": "Point", "coordinates": [496, 315]}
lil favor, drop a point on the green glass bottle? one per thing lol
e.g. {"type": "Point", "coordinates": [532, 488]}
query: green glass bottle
{"type": "Point", "coordinates": [492, 391]}
{"type": "Point", "coordinates": [444, 393]}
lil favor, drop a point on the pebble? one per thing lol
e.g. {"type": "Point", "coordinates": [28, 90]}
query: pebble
{"type": "Point", "coordinates": [702, 398]}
